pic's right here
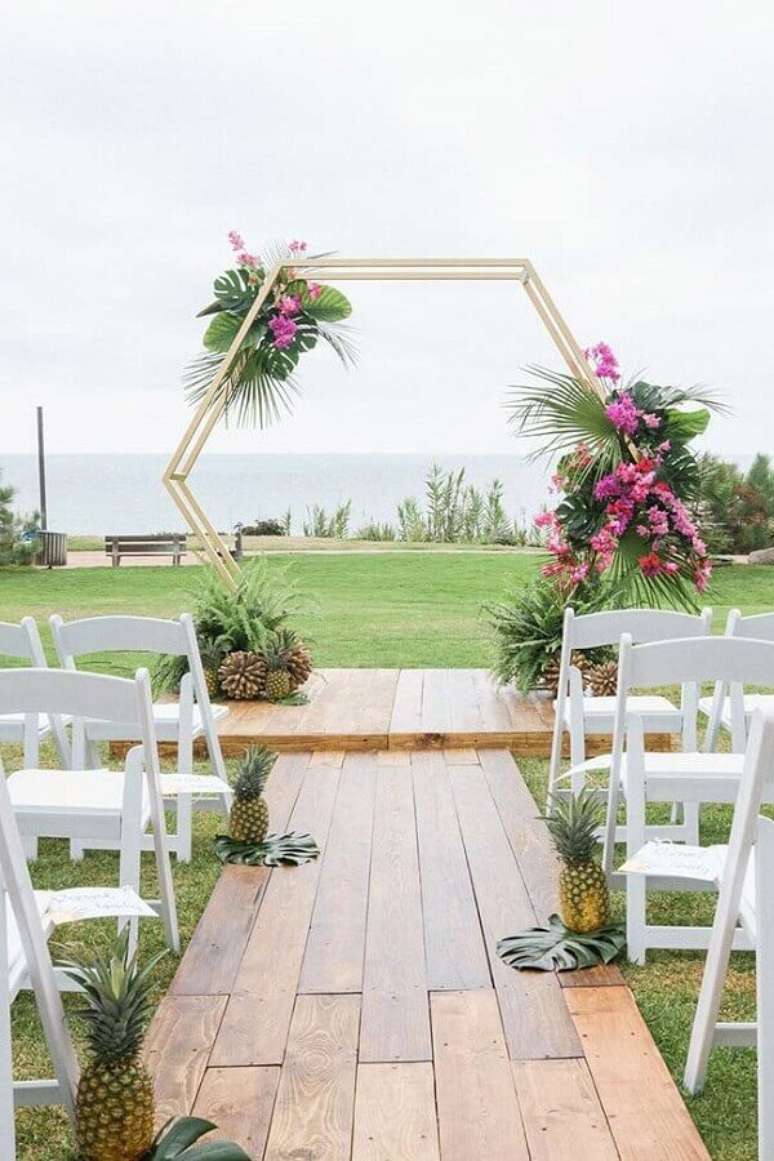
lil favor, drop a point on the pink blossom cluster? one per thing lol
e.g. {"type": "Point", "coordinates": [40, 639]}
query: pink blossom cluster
{"type": "Point", "coordinates": [626, 416]}
{"type": "Point", "coordinates": [237, 243]}
{"type": "Point", "coordinates": [603, 361]}
{"type": "Point", "coordinates": [283, 329]}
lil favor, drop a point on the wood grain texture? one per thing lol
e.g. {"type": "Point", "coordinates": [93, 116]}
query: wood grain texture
{"type": "Point", "coordinates": [647, 1116]}
{"type": "Point", "coordinates": [395, 1021]}
{"type": "Point", "coordinates": [601, 976]}
{"type": "Point", "coordinates": [536, 1021]}
{"type": "Point", "coordinates": [562, 1116]}
{"type": "Point", "coordinates": [315, 1100]}
{"type": "Point", "coordinates": [177, 1049]}
{"type": "Point", "coordinates": [256, 1022]}
{"type": "Point", "coordinates": [478, 1114]}
{"type": "Point", "coordinates": [395, 1117]}
{"type": "Point", "coordinates": [454, 944]}
{"type": "Point", "coordinates": [336, 945]}
{"type": "Point", "coordinates": [240, 1101]}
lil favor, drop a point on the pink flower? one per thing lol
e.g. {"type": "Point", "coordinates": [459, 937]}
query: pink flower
{"type": "Point", "coordinates": [623, 414]}
{"type": "Point", "coordinates": [664, 447]}
{"type": "Point", "coordinates": [283, 329]}
{"type": "Point", "coordinates": [314, 290]}
{"type": "Point", "coordinates": [579, 573]}
{"type": "Point", "coordinates": [236, 240]}
{"type": "Point", "coordinates": [289, 304]}
{"type": "Point", "coordinates": [245, 259]}
{"type": "Point", "coordinates": [651, 421]}
{"type": "Point", "coordinates": [702, 574]}
{"type": "Point", "coordinates": [604, 362]}
{"type": "Point", "coordinates": [297, 247]}
{"type": "Point", "coordinates": [545, 520]}
{"type": "Point", "coordinates": [651, 564]}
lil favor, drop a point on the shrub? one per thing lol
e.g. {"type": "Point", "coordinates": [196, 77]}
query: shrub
{"type": "Point", "coordinates": [18, 535]}
{"type": "Point", "coordinates": [265, 528]}
{"type": "Point", "coordinates": [373, 530]}
{"type": "Point", "coordinates": [328, 527]}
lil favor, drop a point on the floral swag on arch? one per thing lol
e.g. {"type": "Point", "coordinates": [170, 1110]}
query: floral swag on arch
{"type": "Point", "coordinates": [627, 481]}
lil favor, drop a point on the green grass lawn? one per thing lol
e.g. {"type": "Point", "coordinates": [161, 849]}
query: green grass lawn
{"type": "Point", "coordinates": [392, 610]}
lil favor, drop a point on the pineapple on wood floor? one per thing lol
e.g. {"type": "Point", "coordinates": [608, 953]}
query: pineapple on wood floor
{"type": "Point", "coordinates": [353, 1009]}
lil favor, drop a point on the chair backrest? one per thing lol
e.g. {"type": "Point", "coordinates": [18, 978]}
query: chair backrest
{"type": "Point", "coordinates": [728, 659]}
{"type": "Point", "coordinates": [760, 626]}
{"type": "Point", "coordinates": [22, 640]}
{"type": "Point", "coordinates": [58, 691]}
{"type": "Point", "coordinates": [125, 634]}
{"type": "Point", "coordinates": [591, 630]}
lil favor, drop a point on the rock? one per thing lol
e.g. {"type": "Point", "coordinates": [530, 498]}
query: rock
{"type": "Point", "coordinates": [761, 556]}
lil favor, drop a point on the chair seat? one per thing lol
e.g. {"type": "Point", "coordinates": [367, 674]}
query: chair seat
{"type": "Point", "coordinates": [166, 717]}
{"type": "Point", "coordinates": [658, 714]}
{"type": "Point", "coordinates": [678, 776]}
{"type": "Point", "coordinates": [752, 702]}
{"type": "Point", "coordinates": [17, 962]}
{"type": "Point", "coordinates": [70, 793]}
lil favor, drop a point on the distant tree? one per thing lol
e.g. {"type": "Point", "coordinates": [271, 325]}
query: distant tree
{"type": "Point", "coordinates": [18, 542]}
{"type": "Point", "coordinates": [736, 511]}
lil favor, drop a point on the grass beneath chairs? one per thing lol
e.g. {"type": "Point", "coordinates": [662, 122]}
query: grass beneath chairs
{"type": "Point", "coordinates": [410, 610]}
{"type": "Point", "coordinates": [667, 988]}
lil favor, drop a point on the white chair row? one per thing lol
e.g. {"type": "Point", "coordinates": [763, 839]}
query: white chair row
{"type": "Point", "coordinates": [71, 803]}
{"type": "Point", "coordinates": [180, 722]}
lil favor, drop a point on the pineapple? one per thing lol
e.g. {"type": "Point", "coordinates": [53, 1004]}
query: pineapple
{"type": "Point", "coordinates": [249, 818]}
{"type": "Point", "coordinates": [583, 891]}
{"type": "Point", "coordinates": [276, 654]}
{"type": "Point", "coordinates": [212, 656]}
{"type": "Point", "coordinates": [114, 1107]}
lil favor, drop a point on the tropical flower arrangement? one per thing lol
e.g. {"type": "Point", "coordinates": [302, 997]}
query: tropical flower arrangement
{"type": "Point", "coordinates": [296, 313]}
{"type": "Point", "coordinates": [626, 479]}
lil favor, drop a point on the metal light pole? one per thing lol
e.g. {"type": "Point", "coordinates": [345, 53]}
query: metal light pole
{"type": "Point", "coordinates": [42, 472]}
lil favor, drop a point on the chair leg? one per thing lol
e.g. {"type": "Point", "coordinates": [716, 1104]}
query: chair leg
{"type": "Point", "coordinates": [691, 822]}
{"type": "Point", "coordinates": [764, 973]}
{"type": "Point", "coordinates": [7, 1131]}
{"type": "Point", "coordinates": [30, 846]}
{"type": "Point", "coordinates": [182, 841]}
{"type": "Point", "coordinates": [636, 885]}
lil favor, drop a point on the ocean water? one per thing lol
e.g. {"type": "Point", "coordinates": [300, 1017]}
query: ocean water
{"type": "Point", "coordinates": [99, 494]}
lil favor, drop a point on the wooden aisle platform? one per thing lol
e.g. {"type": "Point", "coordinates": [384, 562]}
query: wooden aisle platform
{"type": "Point", "coordinates": [402, 709]}
{"type": "Point", "coordinates": [354, 1009]}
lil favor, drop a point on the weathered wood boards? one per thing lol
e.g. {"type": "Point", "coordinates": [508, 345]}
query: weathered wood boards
{"type": "Point", "coordinates": [354, 1009]}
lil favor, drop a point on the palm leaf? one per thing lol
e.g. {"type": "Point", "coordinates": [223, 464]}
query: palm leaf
{"type": "Point", "coordinates": [563, 412]}
{"type": "Point", "coordinates": [291, 849]}
{"type": "Point", "coordinates": [556, 948]}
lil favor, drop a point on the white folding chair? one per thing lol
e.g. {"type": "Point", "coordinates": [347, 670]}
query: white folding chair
{"type": "Point", "coordinates": [94, 806]}
{"type": "Point", "coordinates": [689, 776]}
{"type": "Point", "coordinates": [180, 722]}
{"type": "Point", "coordinates": [746, 899]}
{"type": "Point", "coordinates": [29, 730]}
{"type": "Point", "coordinates": [722, 709]}
{"type": "Point", "coordinates": [580, 714]}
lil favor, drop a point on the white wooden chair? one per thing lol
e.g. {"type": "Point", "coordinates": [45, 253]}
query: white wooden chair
{"type": "Point", "coordinates": [94, 806]}
{"type": "Point", "coordinates": [746, 899]}
{"type": "Point", "coordinates": [723, 708]}
{"type": "Point", "coordinates": [180, 723]}
{"type": "Point", "coordinates": [688, 776]}
{"type": "Point", "coordinates": [27, 730]}
{"type": "Point", "coordinates": [27, 919]}
{"type": "Point", "coordinates": [580, 714]}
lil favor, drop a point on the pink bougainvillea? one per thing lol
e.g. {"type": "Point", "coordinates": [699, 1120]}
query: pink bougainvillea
{"type": "Point", "coordinates": [283, 329]}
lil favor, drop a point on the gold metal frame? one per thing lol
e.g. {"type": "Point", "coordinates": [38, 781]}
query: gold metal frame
{"type": "Point", "coordinates": [210, 410]}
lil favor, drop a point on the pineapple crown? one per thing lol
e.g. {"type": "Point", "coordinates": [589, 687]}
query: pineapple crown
{"type": "Point", "coordinates": [254, 771]}
{"type": "Point", "coordinates": [117, 994]}
{"type": "Point", "coordinates": [277, 648]}
{"type": "Point", "coordinates": [573, 823]}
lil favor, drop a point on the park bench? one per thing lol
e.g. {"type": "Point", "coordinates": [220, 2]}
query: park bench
{"type": "Point", "coordinates": [157, 544]}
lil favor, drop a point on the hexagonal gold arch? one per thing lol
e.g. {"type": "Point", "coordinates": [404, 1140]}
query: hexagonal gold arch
{"type": "Point", "coordinates": [210, 409]}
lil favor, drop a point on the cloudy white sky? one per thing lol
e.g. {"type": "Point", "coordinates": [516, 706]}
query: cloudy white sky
{"type": "Point", "coordinates": [624, 147]}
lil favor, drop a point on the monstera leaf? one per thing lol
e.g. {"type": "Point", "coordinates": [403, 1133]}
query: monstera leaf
{"type": "Point", "coordinates": [291, 849]}
{"type": "Point", "coordinates": [330, 305]}
{"type": "Point", "coordinates": [221, 332]}
{"type": "Point", "coordinates": [555, 948]}
{"type": "Point", "coordinates": [177, 1142]}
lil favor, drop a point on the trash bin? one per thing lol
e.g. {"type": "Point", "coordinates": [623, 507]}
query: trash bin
{"type": "Point", "coordinates": [53, 549]}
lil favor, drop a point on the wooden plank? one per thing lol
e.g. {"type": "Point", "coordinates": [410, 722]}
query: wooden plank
{"type": "Point", "coordinates": [562, 1116]}
{"type": "Point", "coordinates": [256, 1022]}
{"type": "Point", "coordinates": [534, 1016]}
{"type": "Point", "coordinates": [315, 1100]}
{"type": "Point", "coordinates": [177, 1048]}
{"type": "Point", "coordinates": [645, 1111]}
{"type": "Point", "coordinates": [393, 758]}
{"type": "Point", "coordinates": [395, 1023]}
{"type": "Point", "coordinates": [603, 975]}
{"type": "Point", "coordinates": [212, 958]}
{"type": "Point", "coordinates": [240, 1102]}
{"type": "Point", "coordinates": [395, 1118]}
{"type": "Point", "coordinates": [528, 836]}
{"type": "Point", "coordinates": [460, 756]}
{"type": "Point", "coordinates": [336, 944]}
{"type": "Point", "coordinates": [454, 945]}
{"type": "Point", "coordinates": [327, 758]}
{"type": "Point", "coordinates": [406, 715]}
{"type": "Point", "coordinates": [478, 1114]}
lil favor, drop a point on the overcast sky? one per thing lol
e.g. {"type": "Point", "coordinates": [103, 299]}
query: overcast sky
{"type": "Point", "coordinates": [626, 148]}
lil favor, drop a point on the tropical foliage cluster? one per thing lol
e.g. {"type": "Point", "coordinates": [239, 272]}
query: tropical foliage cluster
{"type": "Point", "coordinates": [293, 317]}
{"type": "Point", "coordinates": [329, 526]}
{"type": "Point", "coordinates": [736, 508]}
{"type": "Point", "coordinates": [626, 480]}
{"type": "Point", "coordinates": [18, 535]}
